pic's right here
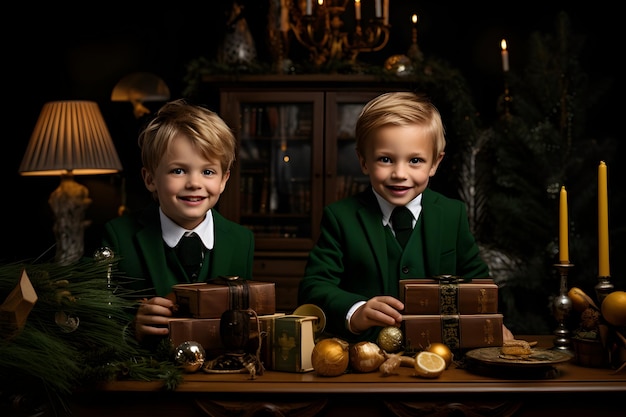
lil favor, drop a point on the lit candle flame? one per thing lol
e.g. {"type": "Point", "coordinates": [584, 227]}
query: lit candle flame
{"type": "Point", "coordinates": [505, 56]}
{"type": "Point", "coordinates": [414, 19]}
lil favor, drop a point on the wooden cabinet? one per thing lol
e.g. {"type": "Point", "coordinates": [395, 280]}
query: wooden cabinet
{"type": "Point", "coordinates": [296, 154]}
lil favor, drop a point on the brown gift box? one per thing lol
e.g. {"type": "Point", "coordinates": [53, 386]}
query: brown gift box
{"type": "Point", "coordinates": [457, 332]}
{"type": "Point", "coordinates": [209, 301]}
{"type": "Point", "coordinates": [432, 296]}
{"type": "Point", "coordinates": [207, 333]}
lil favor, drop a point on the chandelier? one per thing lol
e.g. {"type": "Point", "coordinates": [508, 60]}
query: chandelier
{"type": "Point", "coordinates": [318, 24]}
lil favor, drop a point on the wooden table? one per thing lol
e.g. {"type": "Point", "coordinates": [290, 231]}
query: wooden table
{"type": "Point", "coordinates": [564, 389]}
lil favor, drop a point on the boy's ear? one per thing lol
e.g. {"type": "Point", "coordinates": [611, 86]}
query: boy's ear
{"type": "Point", "coordinates": [433, 169]}
{"type": "Point", "coordinates": [225, 178]}
{"type": "Point", "coordinates": [148, 180]}
{"type": "Point", "coordinates": [362, 164]}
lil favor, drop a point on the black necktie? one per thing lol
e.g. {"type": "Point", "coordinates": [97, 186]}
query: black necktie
{"type": "Point", "coordinates": [402, 223]}
{"type": "Point", "coordinates": [189, 251]}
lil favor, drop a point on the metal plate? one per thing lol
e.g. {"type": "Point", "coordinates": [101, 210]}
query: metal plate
{"type": "Point", "coordinates": [312, 310]}
{"type": "Point", "coordinates": [539, 357]}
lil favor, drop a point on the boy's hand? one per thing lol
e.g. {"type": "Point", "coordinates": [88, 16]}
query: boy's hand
{"type": "Point", "coordinates": [381, 310]}
{"type": "Point", "coordinates": [152, 317]}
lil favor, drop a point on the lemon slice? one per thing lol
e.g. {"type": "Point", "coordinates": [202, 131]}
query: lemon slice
{"type": "Point", "coordinates": [429, 364]}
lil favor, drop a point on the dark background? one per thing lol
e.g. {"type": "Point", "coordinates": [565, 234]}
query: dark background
{"type": "Point", "coordinates": [74, 54]}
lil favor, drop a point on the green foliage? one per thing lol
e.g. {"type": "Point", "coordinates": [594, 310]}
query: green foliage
{"type": "Point", "coordinates": [540, 143]}
{"type": "Point", "coordinates": [73, 336]}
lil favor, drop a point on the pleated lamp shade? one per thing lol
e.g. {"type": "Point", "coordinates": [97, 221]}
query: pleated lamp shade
{"type": "Point", "coordinates": [70, 137]}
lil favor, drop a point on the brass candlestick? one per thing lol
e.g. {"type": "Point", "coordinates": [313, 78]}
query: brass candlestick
{"type": "Point", "coordinates": [562, 308]}
{"type": "Point", "coordinates": [603, 288]}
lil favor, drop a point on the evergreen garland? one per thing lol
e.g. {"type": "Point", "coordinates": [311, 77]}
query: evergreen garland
{"type": "Point", "coordinates": [73, 337]}
{"type": "Point", "coordinates": [540, 143]}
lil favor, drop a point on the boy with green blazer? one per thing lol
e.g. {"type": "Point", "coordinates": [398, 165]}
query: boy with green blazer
{"type": "Point", "coordinates": [353, 271]}
{"type": "Point", "coordinates": [187, 152]}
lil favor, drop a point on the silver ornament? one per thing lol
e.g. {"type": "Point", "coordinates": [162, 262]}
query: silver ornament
{"type": "Point", "coordinates": [190, 356]}
{"type": "Point", "coordinates": [67, 322]}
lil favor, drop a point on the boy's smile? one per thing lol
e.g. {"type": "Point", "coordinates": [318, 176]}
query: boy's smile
{"type": "Point", "coordinates": [399, 162]}
{"type": "Point", "coordinates": [187, 184]}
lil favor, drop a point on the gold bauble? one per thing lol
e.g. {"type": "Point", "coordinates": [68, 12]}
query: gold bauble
{"type": "Point", "coordinates": [442, 350]}
{"type": "Point", "coordinates": [399, 65]}
{"type": "Point", "coordinates": [366, 356]}
{"type": "Point", "coordinates": [330, 357]}
{"type": "Point", "coordinates": [390, 339]}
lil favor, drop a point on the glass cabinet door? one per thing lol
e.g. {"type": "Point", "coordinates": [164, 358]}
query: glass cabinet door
{"type": "Point", "coordinates": [343, 172]}
{"type": "Point", "coordinates": [276, 181]}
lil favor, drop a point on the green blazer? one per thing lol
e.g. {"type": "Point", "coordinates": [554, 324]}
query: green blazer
{"type": "Point", "coordinates": [350, 261]}
{"type": "Point", "coordinates": [152, 268]}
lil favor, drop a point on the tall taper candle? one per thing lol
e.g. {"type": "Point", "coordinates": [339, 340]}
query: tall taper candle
{"type": "Point", "coordinates": [603, 223]}
{"type": "Point", "coordinates": [505, 56]}
{"type": "Point", "coordinates": [563, 228]}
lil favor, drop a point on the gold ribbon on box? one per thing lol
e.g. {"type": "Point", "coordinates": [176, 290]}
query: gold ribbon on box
{"type": "Point", "coordinates": [449, 293]}
{"type": "Point", "coordinates": [451, 331]}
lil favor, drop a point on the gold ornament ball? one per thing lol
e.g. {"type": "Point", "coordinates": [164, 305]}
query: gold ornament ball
{"type": "Point", "coordinates": [399, 65]}
{"type": "Point", "coordinates": [442, 350]}
{"type": "Point", "coordinates": [390, 339]}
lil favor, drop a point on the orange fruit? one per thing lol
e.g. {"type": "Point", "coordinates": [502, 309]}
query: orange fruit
{"type": "Point", "coordinates": [614, 308]}
{"type": "Point", "coordinates": [429, 364]}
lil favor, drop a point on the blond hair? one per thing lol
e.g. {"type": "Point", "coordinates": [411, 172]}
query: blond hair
{"type": "Point", "coordinates": [204, 128]}
{"type": "Point", "coordinates": [400, 108]}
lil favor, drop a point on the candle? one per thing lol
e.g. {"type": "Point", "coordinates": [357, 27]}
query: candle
{"type": "Point", "coordinates": [505, 56]}
{"type": "Point", "coordinates": [357, 9]}
{"type": "Point", "coordinates": [414, 30]}
{"type": "Point", "coordinates": [378, 9]}
{"type": "Point", "coordinates": [386, 12]}
{"type": "Point", "coordinates": [309, 7]}
{"type": "Point", "coordinates": [563, 228]}
{"type": "Point", "coordinates": [603, 223]}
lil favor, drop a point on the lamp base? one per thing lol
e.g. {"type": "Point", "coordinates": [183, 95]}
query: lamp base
{"type": "Point", "coordinates": [69, 201]}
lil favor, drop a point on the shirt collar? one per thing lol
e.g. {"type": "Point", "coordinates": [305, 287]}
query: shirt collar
{"type": "Point", "coordinates": [172, 232]}
{"type": "Point", "coordinates": [386, 207]}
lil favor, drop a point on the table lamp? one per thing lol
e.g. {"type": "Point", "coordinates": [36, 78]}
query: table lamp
{"type": "Point", "coordinates": [138, 88]}
{"type": "Point", "coordinates": [70, 138]}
